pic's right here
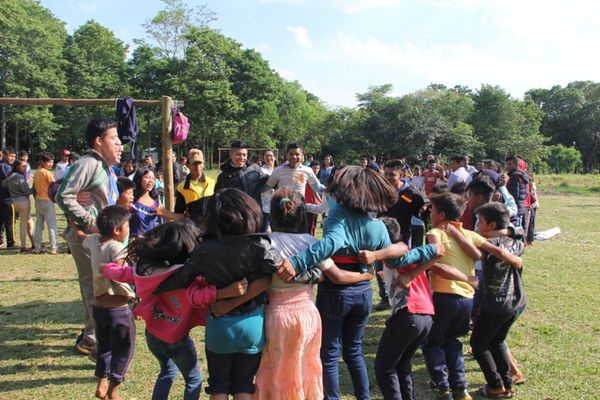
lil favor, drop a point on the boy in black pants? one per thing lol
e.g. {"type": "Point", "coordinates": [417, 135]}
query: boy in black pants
{"type": "Point", "coordinates": [502, 296]}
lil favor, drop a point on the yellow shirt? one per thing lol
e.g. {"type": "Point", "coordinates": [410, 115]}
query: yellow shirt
{"type": "Point", "coordinates": [457, 258]}
{"type": "Point", "coordinates": [197, 189]}
{"type": "Point", "coordinates": [41, 182]}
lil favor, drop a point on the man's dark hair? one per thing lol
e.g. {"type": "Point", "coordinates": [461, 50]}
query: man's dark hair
{"type": "Point", "coordinates": [459, 158]}
{"type": "Point", "coordinates": [513, 158]}
{"type": "Point", "coordinates": [459, 188]}
{"type": "Point", "coordinates": [239, 144]}
{"type": "Point", "coordinates": [439, 188]}
{"type": "Point", "coordinates": [495, 212]}
{"type": "Point", "coordinates": [232, 212]}
{"type": "Point", "coordinates": [46, 156]}
{"type": "Point", "coordinates": [23, 153]}
{"type": "Point", "coordinates": [294, 146]}
{"type": "Point", "coordinates": [393, 228]}
{"type": "Point", "coordinates": [124, 183]}
{"type": "Point", "coordinates": [450, 204]}
{"type": "Point", "coordinates": [97, 127]}
{"type": "Point", "coordinates": [314, 163]}
{"type": "Point", "coordinates": [9, 150]}
{"type": "Point", "coordinates": [110, 218]}
{"type": "Point", "coordinates": [482, 186]}
{"type": "Point", "coordinates": [395, 164]}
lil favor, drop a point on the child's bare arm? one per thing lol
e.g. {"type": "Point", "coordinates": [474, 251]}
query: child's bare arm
{"type": "Point", "coordinates": [405, 279]}
{"type": "Point", "coordinates": [343, 277]}
{"type": "Point", "coordinates": [465, 244]}
{"type": "Point", "coordinates": [255, 288]}
{"type": "Point", "coordinates": [394, 251]}
{"type": "Point", "coordinates": [450, 272]}
{"type": "Point", "coordinates": [235, 289]}
{"type": "Point", "coordinates": [503, 254]}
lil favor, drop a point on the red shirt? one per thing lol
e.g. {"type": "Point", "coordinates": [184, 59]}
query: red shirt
{"type": "Point", "coordinates": [431, 178]}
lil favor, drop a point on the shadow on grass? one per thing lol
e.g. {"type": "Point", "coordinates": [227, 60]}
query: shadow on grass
{"type": "Point", "coordinates": [34, 312]}
{"type": "Point", "coordinates": [11, 386]}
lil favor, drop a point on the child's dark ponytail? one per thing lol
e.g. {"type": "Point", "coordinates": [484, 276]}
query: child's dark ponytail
{"type": "Point", "coordinates": [164, 246]}
{"type": "Point", "coordinates": [288, 212]}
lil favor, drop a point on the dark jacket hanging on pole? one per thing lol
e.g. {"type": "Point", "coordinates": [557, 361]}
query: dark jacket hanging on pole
{"type": "Point", "coordinates": [127, 123]}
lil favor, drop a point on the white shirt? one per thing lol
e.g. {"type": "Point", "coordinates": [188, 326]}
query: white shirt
{"type": "Point", "coordinates": [60, 170]}
{"type": "Point", "coordinates": [460, 175]}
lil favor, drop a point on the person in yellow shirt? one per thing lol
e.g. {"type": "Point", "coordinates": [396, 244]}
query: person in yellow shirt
{"type": "Point", "coordinates": [453, 299]}
{"type": "Point", "coordinates": [44, 207]}
{"type": "Point", "coordinates": [196, 185]}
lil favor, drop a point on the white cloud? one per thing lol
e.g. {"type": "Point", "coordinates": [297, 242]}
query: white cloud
{"type": "Point", "coordinates": [301, 36]}
{"type": "Point", "coordinates": [357, 6]}
{"type": "Point", "coordinates": [262, 48]}
{"type": "Point", "coordinates": [286, 74]}
{"type": "Point", "coordinates": [87, 6]}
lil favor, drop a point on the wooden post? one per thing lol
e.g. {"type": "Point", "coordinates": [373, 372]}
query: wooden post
{"type": "Point", "coordinates": [167, 150]}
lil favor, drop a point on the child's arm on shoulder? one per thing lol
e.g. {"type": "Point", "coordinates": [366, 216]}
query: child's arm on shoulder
{"type": "Point", "coordinates": [502, 254]}
{"type": "Point", "coordinates": [465, 244]}
{"type": "Point", "coordinates": [255, 288]}
{"type": "Point", "coordinates": [449, 272]}
{"type": "Point", "coordinates": [117, 272]}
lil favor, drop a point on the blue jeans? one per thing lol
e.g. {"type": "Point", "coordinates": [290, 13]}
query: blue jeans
{"type": "Point", "coordinates": [442, 350]}
{"type": "Point", "coordinates": [344, 313]}
{"type": "Point", "coordinates": [173, 357]}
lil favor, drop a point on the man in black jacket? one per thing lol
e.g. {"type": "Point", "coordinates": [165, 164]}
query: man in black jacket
{"type": "Point", "coordinates": [237, 172]}
{"type": "Point", "coordinates": [518, 187]}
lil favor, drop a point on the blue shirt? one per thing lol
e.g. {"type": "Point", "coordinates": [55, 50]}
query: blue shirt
{"type": "Point", "coordinates": [353, 230]}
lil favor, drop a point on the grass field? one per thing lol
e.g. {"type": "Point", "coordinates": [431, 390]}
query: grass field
{"type": "Point", "coordinates": [556, 340]}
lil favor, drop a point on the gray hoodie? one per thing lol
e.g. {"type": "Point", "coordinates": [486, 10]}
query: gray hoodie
{"type": "Point", "coordinates": [89, 174]}
{"type": "Point", "coordinates": [17, 185]}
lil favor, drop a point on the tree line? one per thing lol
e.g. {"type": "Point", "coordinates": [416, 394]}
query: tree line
{"type": "Point", "coordinates": [232, 92]}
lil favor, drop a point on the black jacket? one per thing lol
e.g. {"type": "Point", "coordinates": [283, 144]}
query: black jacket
{"type": "Point", "coordinates": [518, 187]}
{"type": "Point", "coordinates": [410, 201]}
{"type": "Point", "coordinates": [222, 262]}
{"type": "Point", "coordinates": [249, 179]}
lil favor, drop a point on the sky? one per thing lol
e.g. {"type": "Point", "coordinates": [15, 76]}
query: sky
{"type": "Point", "coordinates": [337, 48]}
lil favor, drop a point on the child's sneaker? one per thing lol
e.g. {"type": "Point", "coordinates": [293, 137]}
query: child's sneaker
{"type": "Point", "coordinates": [461, 394]}
{"type": "Point", "coordinates": [443, 394]}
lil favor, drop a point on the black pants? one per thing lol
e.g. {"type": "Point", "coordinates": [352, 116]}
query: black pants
{"type": "Point", "coordinates": [489, 349]}
{"type": "Point", "coordinates": [7, 217]}
{"type": "Point", "coordinates": [231, 373]}
{"type": "Point", "coordinates": [403, 334]}
{"type": "Point", "coordinates": [115, 337]}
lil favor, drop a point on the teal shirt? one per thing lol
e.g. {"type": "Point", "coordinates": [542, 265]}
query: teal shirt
{"type": "Point", "coordinates": [347, 228]}
{"type": "Point", "coordinates": [241, 333]}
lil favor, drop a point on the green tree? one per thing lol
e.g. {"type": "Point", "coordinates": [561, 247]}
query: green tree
{"type": "Point", "coordinates": [31, 65]}
{"type": "Point", "coordinates": [563, 159]}
{"type": "Point", "coordinates": [96, 68]}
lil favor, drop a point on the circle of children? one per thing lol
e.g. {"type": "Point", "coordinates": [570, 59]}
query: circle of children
{"type": "Point", "coordinates": [238, 256]}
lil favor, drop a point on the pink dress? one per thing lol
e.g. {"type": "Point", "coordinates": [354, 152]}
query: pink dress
{"type": "Point", "coordinates": [290, 366]}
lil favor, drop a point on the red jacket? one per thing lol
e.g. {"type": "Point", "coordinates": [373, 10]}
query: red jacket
{"type": "Point", "coordinates": [171, 315]}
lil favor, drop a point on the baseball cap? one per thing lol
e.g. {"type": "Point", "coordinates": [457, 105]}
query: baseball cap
{"type": "Point", "coordinates": [195, 155]}
{"type": "Point", "coordinates": [66, 152]}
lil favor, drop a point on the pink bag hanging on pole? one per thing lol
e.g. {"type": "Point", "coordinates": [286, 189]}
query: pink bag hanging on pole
{"type": "Point", "coordinates": [181, 126]}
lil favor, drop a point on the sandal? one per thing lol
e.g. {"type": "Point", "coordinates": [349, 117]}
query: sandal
{"type": "Point", "coordinates": [519, 379]}
{"type": "Point", "coordinates": [490, 393]}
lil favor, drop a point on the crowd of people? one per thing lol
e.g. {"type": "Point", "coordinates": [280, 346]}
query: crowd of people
{"type": "Point", "coordinates": [238, 255]}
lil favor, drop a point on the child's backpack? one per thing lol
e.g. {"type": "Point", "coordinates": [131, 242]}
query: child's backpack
{"type": "Point", "coordinates": [181, 127]}
{"type": "Point", "coordinates": [53, 189]}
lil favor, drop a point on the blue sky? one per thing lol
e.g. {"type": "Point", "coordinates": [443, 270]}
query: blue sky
{"type": "Point", "coordinates": [337, 48]}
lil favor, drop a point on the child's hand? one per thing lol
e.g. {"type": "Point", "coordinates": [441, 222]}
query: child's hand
{"type": "Point", "coordinates": [367, 256]}
{"type": "Point", "coordinates": [286, 271]}
{"type": "Point", "coordinates": [236, 288]}
{"type": "Point", "coordinates": [473, 281]}
{"type": "Point", "coordinates": [222, 307]}
{"type": "Point", "coordinates": [440, 249]}
{"type": "Point", "coordinates": [451, 230]}
{"type": "Point", "coordinates": [517, 263]}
